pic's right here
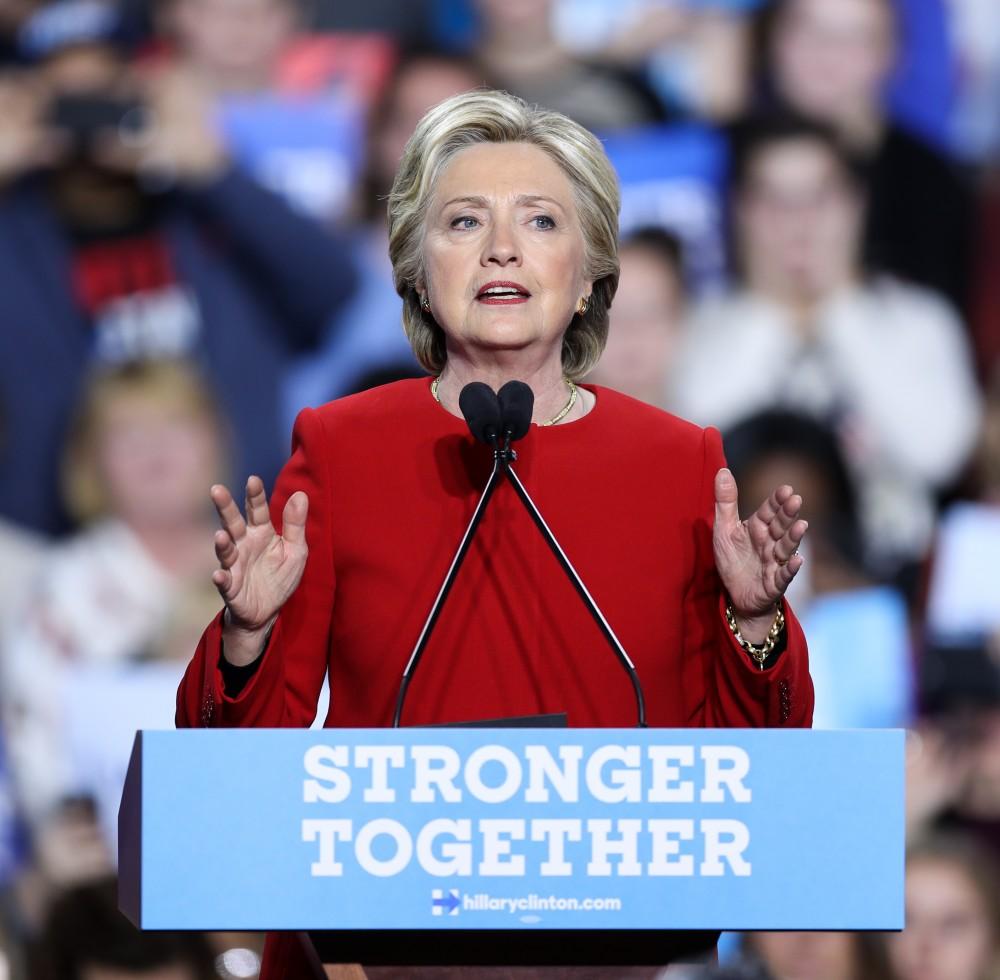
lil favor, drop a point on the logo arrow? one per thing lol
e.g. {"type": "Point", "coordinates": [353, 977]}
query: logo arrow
{"type": "Point", "coordinates": [448, 902]}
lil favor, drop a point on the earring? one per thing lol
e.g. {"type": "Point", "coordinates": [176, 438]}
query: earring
{"type": "Point", "coordinates": [425, 305]}
{"type": "Point", "coordinates": [583, 305]}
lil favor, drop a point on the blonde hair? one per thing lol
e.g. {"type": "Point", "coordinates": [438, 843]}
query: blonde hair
{"type": "Point", "coordinates": [165, 382]}
{"type": "Point", "coordinates": [485, 116]}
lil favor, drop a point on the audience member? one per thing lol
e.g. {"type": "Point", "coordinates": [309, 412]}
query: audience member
{"type": "Point", "coordinates": [645, 318]}
{"type": "Point", "coordinates": [808, 955]}
{"type": "Point", "coordinates": [121, 239]}
{"type": "Point", "coordinates": [830, 59]}
{"type": "Point", "coordinates": [886, 363]}
{"type": "Point", "coordinates": [860, 654]}
{"type": "Point", "coordinates": [696, 55]}
{"type": "Point", "coordinates": [953, 774]}
{"type": "Point", "coordinates": [962, 606]}
{"type": "Point", "coordinates": [233, 46]}
{"type": "Point", "coordinates": [297, 129]}
{"type": "Point", "coordinates": [520, 52]}
{"type": "Point", "coordinates": [134, 583]}
{"type": "Point", "coordinates": [87, 938]}
{"type": "Point", "coordinates": [952, 914]}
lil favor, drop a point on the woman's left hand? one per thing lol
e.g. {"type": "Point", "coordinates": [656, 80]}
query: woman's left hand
{"type": "Point", "coordinates": [756, 558]}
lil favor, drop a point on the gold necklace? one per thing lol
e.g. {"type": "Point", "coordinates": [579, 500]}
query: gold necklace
{"type": "Point", "coordinates": [566, 409]}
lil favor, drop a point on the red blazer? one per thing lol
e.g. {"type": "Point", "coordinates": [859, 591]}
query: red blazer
{"type": "Point", "coordinates": [392, 480]}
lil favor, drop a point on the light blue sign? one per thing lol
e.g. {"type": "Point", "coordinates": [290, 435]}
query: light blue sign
{"type": "Point", "coordinates": [514, 828]}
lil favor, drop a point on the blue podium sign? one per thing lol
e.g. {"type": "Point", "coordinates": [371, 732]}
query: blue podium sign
{"type": "Point", "coordinates": [514, 828]}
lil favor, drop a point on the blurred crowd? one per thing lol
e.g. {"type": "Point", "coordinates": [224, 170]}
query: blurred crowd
{"type": "Point", "coordinates": [193, 248]}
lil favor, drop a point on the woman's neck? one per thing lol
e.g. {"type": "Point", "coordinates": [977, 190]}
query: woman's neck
{"type": "Point", "coordinates": [545, 378]}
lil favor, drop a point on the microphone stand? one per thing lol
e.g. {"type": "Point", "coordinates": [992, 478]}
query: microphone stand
{"type": "Point", "coordinates": [505, 457]}
{"type": "Point", "coordinates": [502, 466]}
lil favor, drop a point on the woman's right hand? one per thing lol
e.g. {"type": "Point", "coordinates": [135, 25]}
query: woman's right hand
{"type": "Point", "coordinates": [258, 568]}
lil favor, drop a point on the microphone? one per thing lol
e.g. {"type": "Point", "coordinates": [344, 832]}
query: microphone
{"type": "Point", "coordinates": [481, 409]}
{"type": "Point", "coordinates": [516, 404]}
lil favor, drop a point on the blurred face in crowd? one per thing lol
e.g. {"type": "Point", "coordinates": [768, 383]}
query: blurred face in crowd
{"type": "Point", "coordinates": [807, 955]}
{"type": "Point", "coordinates": [645, 321]}
{"type": "Point", "coordinates": [503, 213]}
{"type": "Point", "coordinates": [798, 222]}
{"type": "Point", "coordinates": [830, 57]}
{"type": "Point", "coordinates": [948, 934]}
{"type": "Point", "coordinates": [421, 85]}
{"type": "Point", "coordinates": [528, 19]}
{"type": "Point", "coordinates": [156, 456]}
{"type": "Point", "coordinates": [235, 42]}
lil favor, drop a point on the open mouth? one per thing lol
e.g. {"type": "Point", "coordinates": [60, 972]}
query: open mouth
{"type": "Point", "coordinates": [502, 293]}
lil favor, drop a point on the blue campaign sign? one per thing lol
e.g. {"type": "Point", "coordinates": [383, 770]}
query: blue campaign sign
{"type": "Point", "coordinates": [505, 828]}
{"type": "Point", "coordinates": [307, 148]}
{"type": "Point", "coordinates": [673, 176]}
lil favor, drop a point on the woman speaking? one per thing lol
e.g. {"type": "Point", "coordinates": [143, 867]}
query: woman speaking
{"type": "Point", "coordinates": [503, 238]}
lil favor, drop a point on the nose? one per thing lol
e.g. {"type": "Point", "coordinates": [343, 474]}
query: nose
{"type": "Point", "coordinates": [501, 247]}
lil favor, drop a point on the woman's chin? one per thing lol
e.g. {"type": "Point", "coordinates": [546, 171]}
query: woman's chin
{"type": "Point", "coordinates": [505, 336]}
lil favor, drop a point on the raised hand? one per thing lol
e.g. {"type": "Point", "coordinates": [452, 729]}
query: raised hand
{"type": "Point", "coordinates": [27, 141]}
{"type": "Point", "coordinates": [756, 558]}
{"type": "Point", "coordinates": [258, 568]}
{"type": "Point", "coordinates": [180, 141]}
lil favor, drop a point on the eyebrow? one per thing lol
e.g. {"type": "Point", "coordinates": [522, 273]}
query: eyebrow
{"type": "Point", "coordinates": [522, 199]}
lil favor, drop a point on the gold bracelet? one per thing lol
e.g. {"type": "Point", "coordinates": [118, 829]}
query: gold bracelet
{"type": "Point", "coordinates": [758, 652]}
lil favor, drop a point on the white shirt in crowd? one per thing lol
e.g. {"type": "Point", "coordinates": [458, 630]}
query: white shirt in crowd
{"type": "Point", "coordinates": [888, 363]}
{"type": "Point", "coordinates": [97, 600]}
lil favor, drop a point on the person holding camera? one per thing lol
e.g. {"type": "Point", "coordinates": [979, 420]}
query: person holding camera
{"type": "Point", "coordinates": [127, 233]}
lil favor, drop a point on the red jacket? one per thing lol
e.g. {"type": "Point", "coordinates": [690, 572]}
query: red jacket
{"type": "Point", "coordinates": [392, 480]}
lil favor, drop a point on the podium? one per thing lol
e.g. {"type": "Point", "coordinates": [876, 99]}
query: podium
{"type": "Point", "coordinates": [562, 846]}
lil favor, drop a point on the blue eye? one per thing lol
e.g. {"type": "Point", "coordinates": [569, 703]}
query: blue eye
{"type": "Point", "coordinates": [546, 222]}
{"type": "Point", "coordinates": [460, 222]}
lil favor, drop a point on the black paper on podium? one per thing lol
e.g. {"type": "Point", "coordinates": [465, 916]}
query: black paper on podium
{"type": "Point", "coordinates": [559, 720]}
{"type": "Point", "coordinates": [512, 947]}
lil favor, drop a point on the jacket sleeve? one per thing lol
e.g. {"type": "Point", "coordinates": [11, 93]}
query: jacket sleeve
{"type": "Point", "coordinates": [305, 269]}
{"type": "Point", "coordinates": [284, 691]}
{"type": "Point", "coordinates": [737, 693]}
